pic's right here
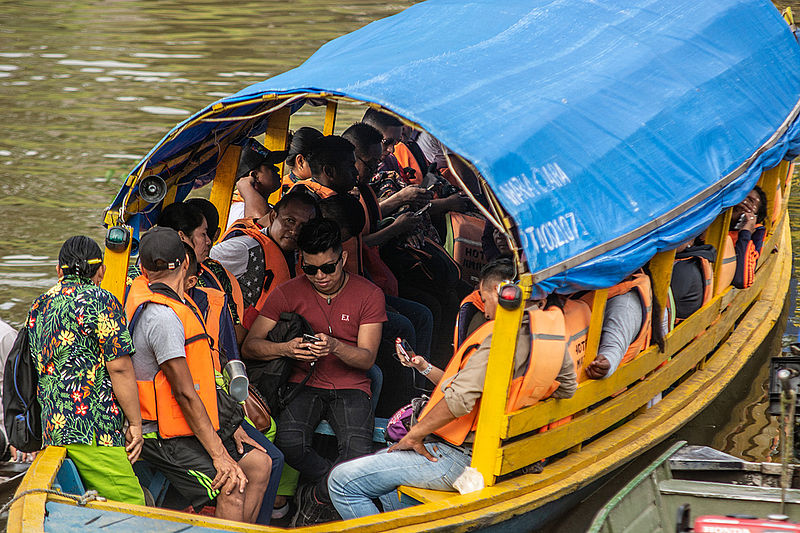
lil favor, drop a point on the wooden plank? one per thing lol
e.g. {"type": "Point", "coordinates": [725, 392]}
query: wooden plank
{"type": "Point", "coordinates": [275, 139]}
{"type": "Point", "coordinates": [595, 325]}
{"type": "Point", "coordinates": [531, 449]}
{"type": "Point", "coordinates": [499, 370]}
{"type": "Point", "coordinates": [62, 517]}
{"type": "Point", "coordinates": [330, 117]}
{"type": "Point", "coordinates": [770, 183]}
{"type": "Point", "coordinates": [661, 276]}
{"type": "Point", "coordinates": [716, 234]}
{"type": "Point", "coordinates": [27, 513]}
{"type": "Point", "coordinates": [224, 183]}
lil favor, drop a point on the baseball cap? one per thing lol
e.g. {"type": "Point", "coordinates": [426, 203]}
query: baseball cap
{"type": "Point", "coordinates": [161, 248]}
{"type": "Point", "coordinates": [254, 154]}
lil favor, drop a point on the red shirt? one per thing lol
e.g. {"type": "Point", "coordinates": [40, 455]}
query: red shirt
{"type": "Point", "coordinates": [360, 302]}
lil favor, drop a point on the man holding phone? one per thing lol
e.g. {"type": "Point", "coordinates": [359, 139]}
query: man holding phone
{"type": "Point", "coordinates": [347, 313]}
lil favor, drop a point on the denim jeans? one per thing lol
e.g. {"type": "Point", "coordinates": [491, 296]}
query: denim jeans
{"type": "Point", "coordinates": [265, 513]}
{"type": "Point", "coordinates": [421, 319]}
{"type": "Point", "coordinates": [349, 413]}
{"type": "Point", "coordinates": [354, 484]}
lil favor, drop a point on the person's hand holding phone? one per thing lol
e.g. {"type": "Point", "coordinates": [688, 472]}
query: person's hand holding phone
{"type": "Point", "coordinates": [297, 349]}
{"type": "Point", "coordinates": [406, 355]}
{"type": "Point", "coordinates": [325, 345]}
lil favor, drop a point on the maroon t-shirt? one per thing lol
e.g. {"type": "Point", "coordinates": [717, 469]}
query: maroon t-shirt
{"type": "Point", "coordinates": [360, 302]}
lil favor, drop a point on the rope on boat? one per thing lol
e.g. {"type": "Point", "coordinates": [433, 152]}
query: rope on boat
{"type": "Point", "coordinates": [88, 496]}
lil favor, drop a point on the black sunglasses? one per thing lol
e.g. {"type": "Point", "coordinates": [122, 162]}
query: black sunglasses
{"type": "Point", "coordinates": [327, 268]}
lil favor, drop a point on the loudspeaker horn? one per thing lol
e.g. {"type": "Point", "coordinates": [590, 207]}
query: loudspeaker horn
{"type": "Point", "coordinates": [152, 189]}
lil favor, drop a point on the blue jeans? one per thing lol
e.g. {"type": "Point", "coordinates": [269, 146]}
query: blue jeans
{"type": "Point", "coordinates": [354, 484]}
{"type": "Point", "coordinates": [265, 513]}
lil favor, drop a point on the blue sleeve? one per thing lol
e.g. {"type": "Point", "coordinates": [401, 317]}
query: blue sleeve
{"type": "Point", "coordinates": [227, 334]}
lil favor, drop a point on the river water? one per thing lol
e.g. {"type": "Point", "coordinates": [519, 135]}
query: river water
{"type": "Point", "coordinates": [87, 88]}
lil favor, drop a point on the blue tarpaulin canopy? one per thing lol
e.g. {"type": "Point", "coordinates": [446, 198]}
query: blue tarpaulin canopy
{"type": "Point", "coordinates": [607, 130]}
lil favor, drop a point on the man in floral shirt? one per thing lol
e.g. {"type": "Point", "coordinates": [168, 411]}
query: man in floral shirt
{"type": "Point", "coordinates": [81, 346]}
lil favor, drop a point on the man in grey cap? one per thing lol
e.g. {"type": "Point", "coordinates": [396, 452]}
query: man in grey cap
{"type": "Point", "coordinates": [258, 177]}
{"type": "Point", "coordinates": [196, 438]}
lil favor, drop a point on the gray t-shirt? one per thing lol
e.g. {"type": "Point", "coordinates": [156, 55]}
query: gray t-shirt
{"type": "Point", "coordinates": [622, 321]}
{"type": "Point", "coordinates": [158, 337]}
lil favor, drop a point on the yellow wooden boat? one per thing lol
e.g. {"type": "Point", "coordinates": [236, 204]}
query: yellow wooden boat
{"type": "Point", "coordinates": [603, 138]}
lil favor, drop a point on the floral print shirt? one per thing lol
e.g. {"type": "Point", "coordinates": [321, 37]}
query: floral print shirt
{"type": "Point", "coordinates": [75, 328]}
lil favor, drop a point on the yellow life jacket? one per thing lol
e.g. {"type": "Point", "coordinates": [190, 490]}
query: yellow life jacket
{"type": "Point", "coordinates": [155, 397]}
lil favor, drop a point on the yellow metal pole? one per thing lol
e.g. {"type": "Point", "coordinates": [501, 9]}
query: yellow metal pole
{"type": "Point", "coordinates": [116, 270]}
{"type": "Point", "coordinates": [330, 117]}
{"type": "Point", "coordinates": [275, 139]}
{"type": "Point", "coordinates": [224, 181]}
{"type": "Point", "coordinates": [595, 325]}
{"type": "Point", "coordinates": [716, 234]}
{"type": "Point", "coordinates": [495, 389]}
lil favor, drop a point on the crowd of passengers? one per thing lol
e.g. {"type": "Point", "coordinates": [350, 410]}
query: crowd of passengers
{"type": "Point", "coordinates": [330, 298]}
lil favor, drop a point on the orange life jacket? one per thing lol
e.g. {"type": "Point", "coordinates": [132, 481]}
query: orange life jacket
{"type": "Point", "coordinates": [155, 397]}
{"type": "Point", "coordinates": [577, 317]}
{"type": "Point", "coordinates": [545, 358]}
{"type": "Point", "coordinates": [457, 430]}
{"type": "Point", "coordinates": [728, 269]}
{"type": "Point", "coordinates": [213, 314]}
{"type": "Point", "coordinates": [316, 187]}
{"type": "Point", "coordinates": [463, 244]}
{"type": "Point", "coordinates": [640, 282]}
{"type": "Point", "coordinates": [470, 305]}
{"type": "Point", "coordinates": [708, 281]}
{"type": "Point", "coordinates": [751, 256]}
{"type": "Point", "coordinates": [277, 271]}
{"type": "Point", "coordinates": [407, 159]}
{"type": "Point", "coordinates": [236, 291]}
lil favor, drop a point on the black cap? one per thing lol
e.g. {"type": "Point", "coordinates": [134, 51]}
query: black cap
{"type": "Point", "coordinates": [254, 155]}
{"type": "Point", "coordinates": [161, 248]}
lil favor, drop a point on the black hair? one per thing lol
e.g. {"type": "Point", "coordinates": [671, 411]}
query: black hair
{"type": "Point", "coordinates": [298, 195]}
{"type": "Point", "coordinates": [181, 217]}
{"type": "Point", "coordinates": [362, 135]}
{"type": "Point", "coordinates": [80, 256]}
{"type": "Point", "coordinates": [300, 143]}
{"type": "Point", "coordinates": [380, 120]}
{"type": "Point", "coordinates": [320, 235]}
{"type": "Point", "coordinates": [346, 211]}
{"type": "Point", "coordinates": [192, 258]}
{"type": "Point", "coordinates": [499, 269]}
{"type": "Point", "coordinates": [327, 150]}
{"type": "Point", "coordinates": [209, 212]}
{"type": "Point", "coordinates": [761, 215]}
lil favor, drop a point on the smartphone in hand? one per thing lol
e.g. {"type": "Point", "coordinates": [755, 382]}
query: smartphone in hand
{"type": "Point", "coordinates": [310, 338]}
{"type": "Point", "coordinates": [741, 222]}
{"type": "Point", "coordinates": [424, 208]}
{"type": "Point", "coordinates": [404, 349]}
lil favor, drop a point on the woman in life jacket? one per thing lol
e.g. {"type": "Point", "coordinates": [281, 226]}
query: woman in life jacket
{"type": "Point", "coordinates": [747, 232]}
{"type": "Point", "coordinates": [192, 228]}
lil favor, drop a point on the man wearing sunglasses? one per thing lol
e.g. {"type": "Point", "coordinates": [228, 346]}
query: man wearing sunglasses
{"type": "Point", "coordinates": [346, 313]}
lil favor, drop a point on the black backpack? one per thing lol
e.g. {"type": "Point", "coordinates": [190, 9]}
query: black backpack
{"type": "Point", "coordinates": [23, 414]}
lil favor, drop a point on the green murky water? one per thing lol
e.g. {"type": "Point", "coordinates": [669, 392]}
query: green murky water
{"type": "Point", "coordinates": [87, 88]}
